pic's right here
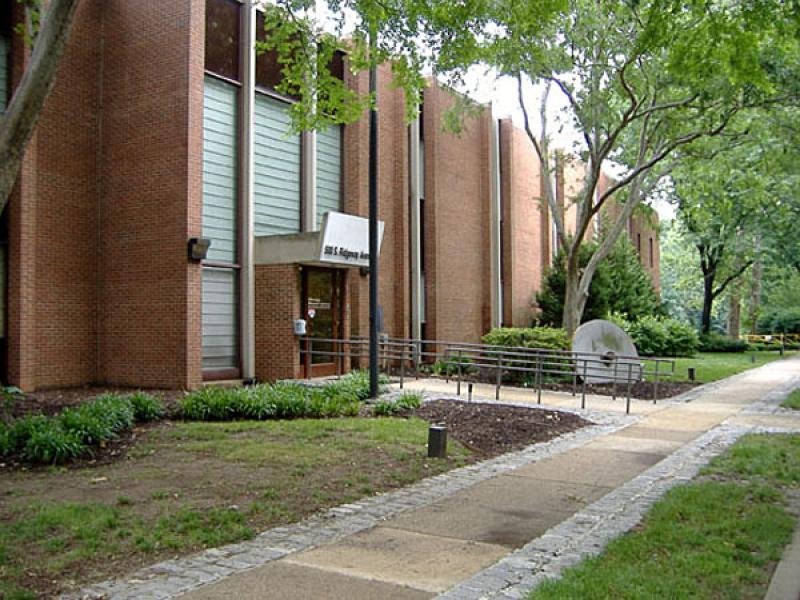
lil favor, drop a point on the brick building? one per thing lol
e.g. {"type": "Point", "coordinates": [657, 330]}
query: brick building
{"type": "Point", "coordinates": [164, 127]}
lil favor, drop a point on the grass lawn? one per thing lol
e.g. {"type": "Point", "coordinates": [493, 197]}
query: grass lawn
{"type": "Point", "coordinates": [717, 537]}
{"type": "Point", "coordinates": [711, 366]}
{"type": "Point", "coordinates": [792, 401]}
{"type": "Point", "coordinates": [189, 486]}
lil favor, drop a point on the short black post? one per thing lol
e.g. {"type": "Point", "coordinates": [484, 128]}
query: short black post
{"type": "Point", "coordinates": [469, 392]}
{"type": "Point", "coordinates": [437, 441]}
{"type": "Point", "coordinates": [753, 358]}
{"type": "Point", "coordinates": [691, 374]}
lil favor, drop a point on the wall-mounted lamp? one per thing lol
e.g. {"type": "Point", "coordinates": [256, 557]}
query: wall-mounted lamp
{"type": "Point", "coordinates": [198, 248]}
{"type": "Point", "coordinates": [364, 271]}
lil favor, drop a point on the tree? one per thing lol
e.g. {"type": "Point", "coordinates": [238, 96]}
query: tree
{"type": "Point", "coordinates": [737, 202]}
{"type": "Point", "coordinates": [641, 80]}
{"type": "Point", "coordinates": [620, 285]}
{"type": "Point", "coordinates": [19, 121]}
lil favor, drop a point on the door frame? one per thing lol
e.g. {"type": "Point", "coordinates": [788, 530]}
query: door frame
{"type": "Point", "coordinates": [337, 312]}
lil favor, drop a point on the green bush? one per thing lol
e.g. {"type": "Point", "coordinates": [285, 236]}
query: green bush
{"type": "Point", "coordinates": [282, 400]}
{"type": "Point", "coordinates": [713, 342]}
{"type": "Point", "coordinates": [546, 338]}
{"type": "Point", "coordinates": [659, 336]}
{"type": "Point", "coordinates": [450, 366]}
{"type": "Point", "coordinates": [782, 320]}
{"type": "Point", "coordinates": [6, 440]}
{"type": "Point", "coordinates": [620, 284]}
{"type": "Point", "coordinates": [100, 420]}
{"type": "Point", "coordinates": [409, 401]}
{"type": "Point", "coordinates": [146, 407]}
{"type": "Point", "coordinates": [53, 444]}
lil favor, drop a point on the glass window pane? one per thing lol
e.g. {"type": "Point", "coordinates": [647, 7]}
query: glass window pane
{"type": "Point", "coordinates": [222, 38]}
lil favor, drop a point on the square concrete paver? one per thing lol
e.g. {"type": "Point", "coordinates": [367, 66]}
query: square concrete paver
{"type": "Point", "coordinates": [506, 510]}
{"type": "Point", "coordinates": [655, 432]}
{"type": "Point", "coordinates": [283, 581]}
{"type": "Point", "coordinates": [591, 466]}
{"type": "Point", "coordinates": [634, 444]}
{"type": "Point", "coordinates": [428, 563]}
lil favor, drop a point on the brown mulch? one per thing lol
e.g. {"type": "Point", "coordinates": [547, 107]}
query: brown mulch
{"type": "Point", "coordinates": [641, 390]}
{"type": "Point", "coordinates": [53, 401]}
{"type": "Point", "coordinates": [492, 429]}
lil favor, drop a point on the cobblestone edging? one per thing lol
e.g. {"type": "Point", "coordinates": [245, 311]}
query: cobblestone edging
{"type": "Point", "coordinates": [771, 403]}
{"type": "Point", "coordinates": [588, 531]}
{"type": "Point", "coordinates": [174, 577]}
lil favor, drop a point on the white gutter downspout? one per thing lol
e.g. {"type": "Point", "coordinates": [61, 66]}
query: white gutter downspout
{"type": "Point", "coordinates": [309, 170]}
{"type": "Point", "coordinates": [247, 273]}
{"type": "Point", "coordinates": [495, 190]}
{"type": "Point", "coordinates": [416, 238]}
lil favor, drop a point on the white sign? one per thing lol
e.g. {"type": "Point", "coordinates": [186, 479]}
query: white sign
{"type": "Point", "coordinates": [345, 240]}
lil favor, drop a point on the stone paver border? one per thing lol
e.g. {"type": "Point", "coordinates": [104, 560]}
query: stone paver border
{"type": "Point", "coordinates": [171, 578]}
{"type": "Point", "coordinates": [588, 531]}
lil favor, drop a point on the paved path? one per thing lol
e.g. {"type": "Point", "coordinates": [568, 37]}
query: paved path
{"type": "Point", "coordinates": [493, 530]}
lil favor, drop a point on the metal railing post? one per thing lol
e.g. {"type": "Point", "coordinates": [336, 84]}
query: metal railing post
{"type": "Point", "coordinates": [628, 398]}
{"type": "Point", "coordinates": [458, 384]}
{"type": "Point", "coordinates": [575, 375]}
{"type": "Point", "coordinates": [538, 378]}
{"type": "Point", "coordinates": [499, 375]}
{"type": "Point", "coordinates": [583, 384]}
{"type": "Point", "coordinates": [614, 380]}
{"type": "Point", "coordinates": [655, 385]}
{"type": "Point", "coordinates": [446, 363]}
{"type": "Point", "coordinates": [402, 364]}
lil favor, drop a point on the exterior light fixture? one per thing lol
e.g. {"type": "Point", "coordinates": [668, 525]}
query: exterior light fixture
{"type": "Point", "coordinates": [198, 248]}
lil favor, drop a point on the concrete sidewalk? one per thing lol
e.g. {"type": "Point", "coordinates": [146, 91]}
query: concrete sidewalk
{"type": "Point", "coordinates": [460, 541]}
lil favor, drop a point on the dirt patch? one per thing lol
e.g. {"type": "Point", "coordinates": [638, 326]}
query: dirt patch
{"type": "Point", "coordinates": [492, 429]}
{"type": "Point", "coordinates": [52, 402]}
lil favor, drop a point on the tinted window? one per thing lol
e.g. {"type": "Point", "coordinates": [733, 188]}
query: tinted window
{"type": "Point", "coordinates": [222, 38]}
{"type": "Point", "coordinates": [268, 70]}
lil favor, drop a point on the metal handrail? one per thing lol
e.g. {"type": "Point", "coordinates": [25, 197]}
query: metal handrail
{"type": "Point", "coordinates": [463, 356]}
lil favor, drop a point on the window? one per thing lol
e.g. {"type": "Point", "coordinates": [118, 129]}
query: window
{"type": "Point", "coordinates": [223, 38]}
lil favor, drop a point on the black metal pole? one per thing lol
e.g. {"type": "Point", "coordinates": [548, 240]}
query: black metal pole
{"type": "Point", "coordinates": [373, 222]}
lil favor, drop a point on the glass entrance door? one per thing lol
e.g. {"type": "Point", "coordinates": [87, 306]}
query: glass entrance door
{"type": "Point", "coordinates": [322, 308]}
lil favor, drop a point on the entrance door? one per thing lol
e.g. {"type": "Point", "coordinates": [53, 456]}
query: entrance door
{"type": "Point", "coordinates": [322, 310]}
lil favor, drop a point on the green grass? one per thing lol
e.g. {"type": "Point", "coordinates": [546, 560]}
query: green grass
{"type": "Point", "coordinates": [242, 477]}
{"type": "Point", "coordinates": [716, 537]}
{"type": "Point", "coordinates": [711, 366]}
{"type": "Point", "coordinates": [792, 401]}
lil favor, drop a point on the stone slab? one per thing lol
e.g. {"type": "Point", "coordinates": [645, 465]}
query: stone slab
{"type": "Point", "coordinates": [507, 510]}
{"type": "Point", "coordinates": [284, 581]}
{"type": "Point", "coordinates": [635, 444]}
{"type": "Point", "coordinates": [647, 431]}
{"type": "Point", "coordinates": [425, 562]}
{"type": "Point", "coordinates": [592, 466]}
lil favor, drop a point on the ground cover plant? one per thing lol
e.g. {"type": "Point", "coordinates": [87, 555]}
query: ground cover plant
{"type": "Point", "coordinates": [716, 537]}
{"type": "Point", "coordinates": [792, 401]}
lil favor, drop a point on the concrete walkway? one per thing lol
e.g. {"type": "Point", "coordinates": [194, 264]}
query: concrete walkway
{"type": "Point", "coordinates": [496, 530]}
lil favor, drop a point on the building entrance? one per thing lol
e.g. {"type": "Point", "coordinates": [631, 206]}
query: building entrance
{"type": "Point", "coordinates": [322, 310]}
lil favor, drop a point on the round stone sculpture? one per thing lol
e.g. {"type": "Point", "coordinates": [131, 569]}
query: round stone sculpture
{"type": "Point", "coordinates": [605, 353]}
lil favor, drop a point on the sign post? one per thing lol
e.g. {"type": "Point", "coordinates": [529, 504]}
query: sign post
{"type": "Point", "coordinates": [373, 217]}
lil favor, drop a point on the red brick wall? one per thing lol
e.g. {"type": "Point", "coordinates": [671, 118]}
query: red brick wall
{"type": "Point", "coordinates": [523, 217]}
{"type": "Point", "coordinates": [54, 260]}
{"type": "Point", "coordinates": [150, 197]}
{"type": "Point", "coordinates": [278, 294]}
{"type": "Point", "coordinates": [394, 276]}
{"type": "Point", "coordinates": [457, 205]}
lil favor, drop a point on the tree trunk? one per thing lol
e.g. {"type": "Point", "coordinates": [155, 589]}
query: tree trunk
{"type": "Point", "coordinates": [22, 114]}
{"type": "Point", "coordinates": [573, 304]}
{"type": "Point", "coordinates": [755, 297]}
{"type": "Point", "coordinates": [735, 314]}
{"type": "Point", "coordinates": [708, 302]}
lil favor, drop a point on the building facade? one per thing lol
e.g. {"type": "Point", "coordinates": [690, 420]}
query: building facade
{"type": "Point", "coordinates": [165, 127]}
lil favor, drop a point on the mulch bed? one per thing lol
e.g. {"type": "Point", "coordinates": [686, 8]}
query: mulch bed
{"type": "Point", "coordinates": [492, 429]}
{"type": "Point", "coordinates": [641, 390]}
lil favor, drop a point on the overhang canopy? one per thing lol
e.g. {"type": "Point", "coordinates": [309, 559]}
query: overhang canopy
{"type": "Point", "coordinates": [342, 241]}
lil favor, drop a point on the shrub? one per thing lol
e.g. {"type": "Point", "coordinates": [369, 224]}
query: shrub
{"type": "Point", "coordinates": [782, 320]}
{"type": "Point", "coordinates": [212, 403]}
{"type": "Point", "coordinates": [450, 366]}
{"type": "Point", "coordinates": [146, 407]}
{"type": "Point", "coordinates": [53, 444]}
{"type": "Point", "coordinates": [548, 338]}
{"type": "Point", "coordinates": [659, 336]}
{"type": "Point", "coordinates": [99, 420]}
{"type": "Point", "coordinates": [6, 440]}
{"type": "Point", "coordinates": [713, 342]}
{"type": "Point", "coordinates": [409, 401]}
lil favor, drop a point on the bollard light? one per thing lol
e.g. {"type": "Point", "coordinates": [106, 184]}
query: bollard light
{"type": "Point", "coordinates": [437, 441]}
{"type": "Point", "coordinates": [691, 374]}
{"type": "Point", "coordinates": [469, 392]}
